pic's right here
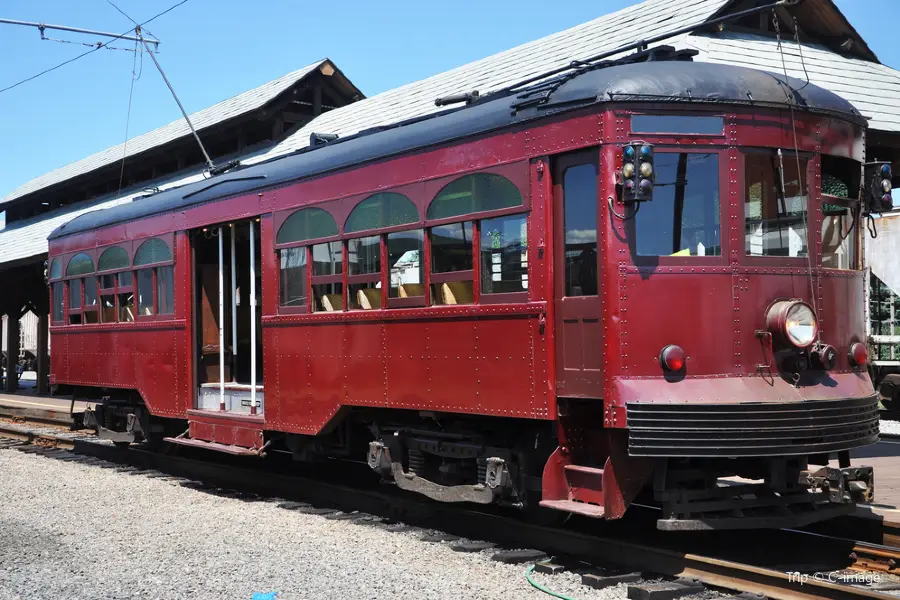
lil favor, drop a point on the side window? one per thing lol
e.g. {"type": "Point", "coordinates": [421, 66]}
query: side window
{"type": "Point", "coordinates": [125, 296]}
{"type": "Point", "coordinates": [839, 233]}
{"type": "Point", "coordinates": [364, 273]}
{"type": "Point", "coordinates": [90, 308]}
{"type": "Point", "coordinates": [108, 312]}
{"type": "Point", "coordinates": [504, 255]}
{"type": "Point", "coordinates": [57, 291]}
{"type": "Point", "coordinates": [776, 217]}
{"type": "Point", "coordinates": [145, 292]}
{"type": "Point", "coordinates": [301, 226]}
{"type": "Point", "coordinates": [112, 265]}
{"type": "Point", "coordinates": [165, 292]}
{"type": "Point", "coordinates": [155, 274]}
{"type": "Point", "coordinates": [580, 201]}
{"type": "Point", "coordinates": [478, 192]}
{"type": "Point", "coordinates": [327, 278]}
{"type": "Point", "coordinates": [385, 209]}
{"type": "Point", "coordinates": [83, 302]}
{"type": "Point", "coordinates": [452, 273]}
{"type": "Point", "coordinates": [683, 218]}
{"type": "Point", "coordinates": [293, 276]}
{"type": "Point", "coordinates": [406, 258]}
{"type": "Point", "coordinates": [74, 301]}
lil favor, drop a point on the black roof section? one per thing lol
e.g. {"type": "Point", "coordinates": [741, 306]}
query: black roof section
{"type": "Point", "coordinates": [679, 81]}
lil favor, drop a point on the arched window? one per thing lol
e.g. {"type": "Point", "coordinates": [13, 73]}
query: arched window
{"type": "Point", "coordinates": [82, 291]}
{"type": "Point", "coordinates": [80, 264]}
{"type": "Point", "coordinates": [113, 258]}
{"type": "Point", "coordinates": [385, 209]}
{"type": "Point", "coordinates": [306, 224]}
{"type": "Point", "coordinates": [57, 291]}
{"type": "Point", "coordinates": [151, 252]}
{"type": "Point", "coordinates": [478, 192]}
{"type": "Point", "coordinates": [303, 225]}
{"type": "Point", "coordinates": [55, 269]}
{"type": "Point", "coordinates": [155, 284]}
{"type": "Point", "coordinates": [116, 289]}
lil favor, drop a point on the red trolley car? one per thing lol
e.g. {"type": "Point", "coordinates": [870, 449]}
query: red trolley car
{"type": "Point", "coordinates": [625, 280]}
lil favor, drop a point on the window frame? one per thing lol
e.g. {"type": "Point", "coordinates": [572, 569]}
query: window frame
{"type": "Point", "coordinates": [279, 219]}
{"type": "Point", "coordinates": [503, 297]}
{"type": "Point", "coordinates": [380, 230]}
{"type": "Point", "coordinates": [81, 277]}
{"type": "Point", "coordinates": [303, 308]}
{"type": "Point", "coordinates": [115, 290]}
{"type": "Point", "coordinates": [674, 134]}
{"type": "Point", "coordinates": [155, 316]}
{"type": "Point", "coordinates": [813, 211]}
{"type": "Point", "coordinates": [411, 301]}
{"type": "Point", "coordinates": [65, 295]}
{"type": "Point", "coordinates": [281, 216]}
{"type": "Point", "coordinates": [314, 280]}
{"type": "Point", "coordinates": [725, 187]}
{"type": "Point", "coordinates": [473, 274]}
{"type": "Point", "coordinates": [363, 278]}
{"type": "Point", "coordinates": [854, 212]}
{"type": "Point", "coordinates": [517, 173]}
{"type": "Point", "coordinates": [421, 195]}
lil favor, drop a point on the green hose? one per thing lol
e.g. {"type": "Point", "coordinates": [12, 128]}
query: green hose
{"type": "Point", "coordinates": [528, 572]}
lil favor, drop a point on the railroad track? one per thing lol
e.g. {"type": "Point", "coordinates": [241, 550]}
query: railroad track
{"type": "Point", "coordinates": [627, 546]}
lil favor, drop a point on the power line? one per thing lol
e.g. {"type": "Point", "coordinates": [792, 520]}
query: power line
{"type": "Point", "coordinates": [91, 51]}
{"type": "Point", "coordinates": [127, 16]}
{"type": "Point", "coordinates": [43, 27]}
{"type": "Point", "coordinates": [134, 77]}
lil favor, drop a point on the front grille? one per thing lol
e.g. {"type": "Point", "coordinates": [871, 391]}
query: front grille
{"type": "Point", "coordinates": [758, 429]}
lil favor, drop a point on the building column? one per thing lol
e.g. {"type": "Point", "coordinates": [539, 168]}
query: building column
{"type": "Point", "coordinates": [12, 353]}
{"type": "Point", "coordinates": [43, 355]}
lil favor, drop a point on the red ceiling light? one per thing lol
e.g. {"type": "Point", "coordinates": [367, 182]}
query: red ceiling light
{"type": "Point", "coordinates": [859, 354]}
{"type": "Point", "coordinates": [672, 358]}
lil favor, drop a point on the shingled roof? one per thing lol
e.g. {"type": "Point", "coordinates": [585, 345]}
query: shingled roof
{"type": "Point", "coordinates": [203, 119]}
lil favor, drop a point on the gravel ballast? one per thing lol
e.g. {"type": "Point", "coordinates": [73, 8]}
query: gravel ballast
{"type": "Point", "coordinates": [69, 530]}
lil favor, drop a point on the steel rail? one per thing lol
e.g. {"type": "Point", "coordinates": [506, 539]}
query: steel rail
{"type": "Point", "coordinates": [475, 524]}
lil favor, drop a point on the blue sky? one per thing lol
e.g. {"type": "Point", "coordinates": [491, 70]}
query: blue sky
{"type": "Point", "coordinates": [212, 50]}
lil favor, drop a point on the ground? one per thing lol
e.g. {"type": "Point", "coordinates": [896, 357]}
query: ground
{"type": "Point", "coordinates": [69, 530]}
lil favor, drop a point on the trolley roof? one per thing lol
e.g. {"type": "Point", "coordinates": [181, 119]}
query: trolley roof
{"type": "Point", "coordinates": [681, 81]}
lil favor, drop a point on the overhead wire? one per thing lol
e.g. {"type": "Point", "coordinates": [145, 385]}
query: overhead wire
{"type": "Point", "coordinates": [790, 98]}
{"type": "Point", "coordinates": [134, 77]}
{"type": "Point", "coordinates": [126, 15]}
{"type": "Point", "coordinates": [91, 51]}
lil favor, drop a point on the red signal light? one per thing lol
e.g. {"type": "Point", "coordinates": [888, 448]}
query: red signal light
{"type": "Point", "coordinates": [672, 358]}
{"type": "Point", "coordinates": [859, 354]}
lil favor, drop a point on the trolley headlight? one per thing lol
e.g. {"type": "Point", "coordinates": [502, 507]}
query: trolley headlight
{"type": "Point", "coordinates": [793, 322]}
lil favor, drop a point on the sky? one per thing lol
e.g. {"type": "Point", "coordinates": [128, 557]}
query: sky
{"type": "Point", "coordinates": [212, 50]}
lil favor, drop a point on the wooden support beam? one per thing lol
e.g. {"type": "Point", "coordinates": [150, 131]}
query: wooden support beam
{"type": "Point", "coordinates": [317, 101]}
{"type": "Point", "coordinates": [277, 128]}
{"type": "Point", "coordinates": [43, 355]}
{"type": "Point", "coordinates": [12, 352]}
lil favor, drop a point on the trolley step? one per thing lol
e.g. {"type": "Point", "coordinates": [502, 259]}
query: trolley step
{"type": "Point", "coordinates": [215, 446]}
{"type": "Point", "coordinates": [579, 508]}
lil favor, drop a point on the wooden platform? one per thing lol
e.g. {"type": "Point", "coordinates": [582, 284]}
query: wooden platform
{"type": "Point", "coordinates": [44, 408]}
